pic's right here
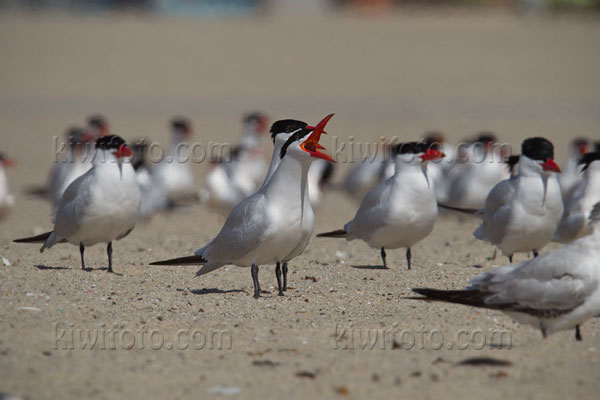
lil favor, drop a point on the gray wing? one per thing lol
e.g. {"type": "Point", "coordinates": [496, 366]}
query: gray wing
{"type": "Point", "coordinates": [72, 206]}
{"type": "Point", "coordinates": [496, 212]}
{"type": "Point", "coordinates": [554, 281]}
{"type": "Point", "coordinates": [245, 229]}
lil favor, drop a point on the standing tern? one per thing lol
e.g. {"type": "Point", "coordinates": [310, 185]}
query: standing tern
{"type": "Point", "coordinates": [267, 227]}
{"type": "Point", "coordinates": [522, 212]}
{"type": "Point", "coordinates": [556, 291]}
{"type": "Point", "coordinates": [400, 211]}
{"type": "Point", "coordinates": [173, 174]}
{"type": "Point", "coordinates": [586, 193]}
{"type": "Point", "coordinates": [571, 174]}
{"type": "Point", "coordinates": [479, 168]}
{"type": "Point", "coordinates": [6, 199]}
{"type": "Point", "coordinates": [100, 206]}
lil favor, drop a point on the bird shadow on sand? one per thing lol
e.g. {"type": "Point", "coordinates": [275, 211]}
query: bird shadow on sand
{"type": "Point", "coordinates": [369, 267]}
{"type": "Point", "coordinates": [215, 291]}
{"type": "Point", "coordinates": [42, 267]}
{"type": "Point", "coordinates": [105, 269]}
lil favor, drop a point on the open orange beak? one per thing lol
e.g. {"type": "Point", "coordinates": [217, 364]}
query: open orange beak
{"type": "Point", "coordinates": [312, 146]}
{"type": "Point", "coordinates": [123, 151]}
{"type": "Point", "coordinates": [432, 154]}
{"type": "Point", "coordinates": [550, 165]}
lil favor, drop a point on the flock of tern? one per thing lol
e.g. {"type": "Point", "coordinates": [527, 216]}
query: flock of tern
{"type": "Point", "coordinates": [102, 187]}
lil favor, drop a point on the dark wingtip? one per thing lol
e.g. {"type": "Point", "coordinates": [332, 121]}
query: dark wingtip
{"type": "Point", "coordinates": [458, 209]}
{"type": "Point", "coordinates": [188, 260]}
{"type": "Point", "coordinates": [34, 239]}
{"type": "Point", "coordinates": [337, 233]}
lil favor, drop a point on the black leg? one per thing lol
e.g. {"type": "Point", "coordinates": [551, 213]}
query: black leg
{"type": "Point", "coordinates": [254, 272]}
{"type": "Point", "coordinates": [278, 275]}
{"type": "Point", "coordinates": [535, 253]}
{"type": "Point", "coordinates": [408, 256]}
{"type": "Point", "coordinates": [544, 334]}
{"type": "Point", "coordinates": [510, 258]}
{"type": "Point", "coordinates": [81, 250]}
{"type": "Point", "coordinates": [109, 252]}
{"type": "Point", "coordinates": [383, 255]}
{"type": "Point", "coordinates": [578, 334]}
{"type": "Point", "coordinates": [284, 276]}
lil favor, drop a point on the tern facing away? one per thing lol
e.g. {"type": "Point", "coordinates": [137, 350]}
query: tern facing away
{"type": "Point", "coordinates": [6, 199]}
{"type": "Point", "coordinates": [267, 227]}
{"type": "Point", "coordinates": [585, 193]}
{"type": "Point", "coordinates": [522, 212]}
{"type": "Point", "coordinates": [556, 291]}
{"type": "Point", "coordinates": [100, 206]}
{"type": "Point", "coordinates": [400, 211]}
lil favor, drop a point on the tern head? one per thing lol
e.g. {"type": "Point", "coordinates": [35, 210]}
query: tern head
{"type": "Point", "coordinates": [97, 126]}
{"type": "Point", "coordinates": [115, 145]}
{"type": "Point", "coordinates": [181, 127]}
{"type": "Point", "coordinates": [282, 130]}
{"type": "Point", "coordinates": [540, 152]}
{"type": "Point", "coordinates": [257, 122]}
{"type": "Point", "coordinates": [434, 137]}
{"type": "Point", "coordinates": [139, 149]}
{"type": "Point", "coordinates": [303, 141]}
{"type": "Point", "coordinates": [590, 161]}
{"type": "Point", "coordinates": [579, 146]}
{"type": "Point", "coordinates": [417, 152]}
{"type": "Point", "coordinates": [6, 162]}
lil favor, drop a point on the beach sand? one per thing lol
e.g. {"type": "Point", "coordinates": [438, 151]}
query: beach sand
{"type": "Point", "coordinates": [344, 328]}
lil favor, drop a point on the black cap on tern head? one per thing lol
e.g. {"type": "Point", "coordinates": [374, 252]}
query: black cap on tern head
{"type": "Point", "coordinates": [180, 123]}
{"type": "Point", "coordinates": [410, 148]}
{"type": "Point", "coordinates": [286, 126]}
{"type": "Point", "coordinates": [97, 120]}
{"type": "Point", "coordinates": [588, 158]}
{"type": "Point", "coordinates": [486, 137]}
{"type": "Point", "coordinates": [254, 116]}
{"type": "Point", "coordinates": [109, 142]}
{"type": "Point", "coordinates": [537, 148]}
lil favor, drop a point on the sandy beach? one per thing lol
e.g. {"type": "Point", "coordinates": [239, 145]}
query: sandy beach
{"type": "Point", "coordinates": [345, 328]}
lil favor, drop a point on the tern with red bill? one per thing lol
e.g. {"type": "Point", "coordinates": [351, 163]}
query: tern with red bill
{"type": "Point", "coordinates": [270, 225]}
{"type": "Point", "coordinates": [522, 213]}
{"type": "Point", "coordinates": [6, 199]}
{"type": "Point", "coordinates": [100, 206]}
{"type": "Point", "coordinates": [556, 291]}
{"type": "Point", "coordinates": [400, 211]}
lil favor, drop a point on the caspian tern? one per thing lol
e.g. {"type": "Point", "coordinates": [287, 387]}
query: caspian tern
{"type": "Point", "coordinates": [281, 131]}
{"type": "Point", "coordinates": [366, 173]}
{"type": "Point", "coordinates": [571, 173]}
{"type": "Point", "coordinates": [522, 212]}
{"type": "Point", "coordinates": [154, 198]}
{"type": "Point", "coordinates": [75, 162]}
{"type": "Point", "coordinates": [6, 199]}
{"type": "Point", "coordinates": [229, 182]}
{"type": "Point", "coordinates": [478, 169]}
{"type": "Point", "coordinates": [266, 227]}
{"type": "Point", "coordinates": [584, 195]}
{"type": "Point", "coordinates": [439, 172]}
{"type": "Point", "coordinates": [173, 174]}
{"type": "Point", "coordinates": [100, 206]}
{"type": "Point", "coordinates": [556, 291]}
{"type": "Point", "coordinates": [399, 211]}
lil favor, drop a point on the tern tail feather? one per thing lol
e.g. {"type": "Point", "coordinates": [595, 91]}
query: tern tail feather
{"type": "Point", "coordinates": [340, 233]}
{"type": "Point", "coordinates": [34, 239]}
{"type": "Point", "coordinates": [188, 260]}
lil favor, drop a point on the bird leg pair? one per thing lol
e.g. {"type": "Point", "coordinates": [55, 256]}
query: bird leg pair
{"type": "Point", "coordinates": [282, 288]}
{"type": "Point", "coordinates": [108, 251]}
{"type": "Point", "coordinates": [408, 257]}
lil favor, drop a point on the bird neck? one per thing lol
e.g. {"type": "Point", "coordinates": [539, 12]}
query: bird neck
{"type": "Point", "coordinates": [289, 181]}
{"type": "Point", "coordinates": [275, 161]}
